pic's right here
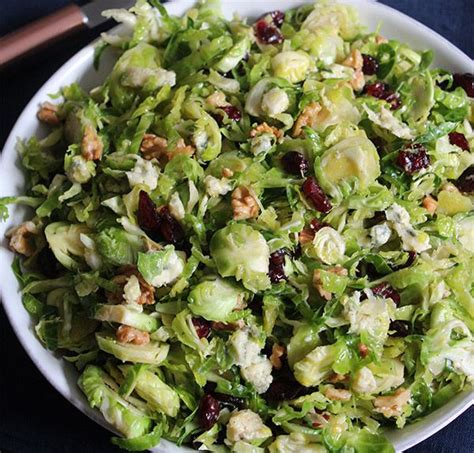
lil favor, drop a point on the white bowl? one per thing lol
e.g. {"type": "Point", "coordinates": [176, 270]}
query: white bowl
{"type": "Point", "coordinates": [63, 375]}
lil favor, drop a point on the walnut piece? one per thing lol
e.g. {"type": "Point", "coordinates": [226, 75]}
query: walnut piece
{"type": "Point", "coordinates": [379, 39]}
{"type": "Point", "coordinates": [430, 204]}
{"type": "Point", "coordinates": [318, 285]}
{"type": "Point", "coordinates": [22, 238]}
{"type": "Point", "coordinates": [153, 147]}
{"type": "Point", "coordinates": [337, 378]}
{"type": "Point", "coordinates": [91, 145]}
{"type": "Point", "coordinates": [228, 326]}
{"type": "Point", "coordinates": [127, 334]}
{"type": "Point", "coordinates": [48, 114]}
{"type": "Point", "coordinates": [244, 204]}
{"type": "Point", "coordinates": [264, 128]}
{"type": "Point", "coordinates": [337, 394]}
{"type": "Point", "coordinates": [306, 236]}
{"type": "Point", "coordinates": [277, 352]}
{"type": "Point", "coordinates": [227, 173]}
{"type": "Point", "coordinates": [310, 116]}
{"type": "Point", "coordinates": [356, 61]}
{"type": "Point", "coordinates": [147, 292]}
{"type": "Point", "coordinates": [392, 406]}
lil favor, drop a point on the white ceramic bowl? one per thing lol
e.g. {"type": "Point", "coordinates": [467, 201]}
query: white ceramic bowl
{"type": "Point", "coordinates": [61, 374]}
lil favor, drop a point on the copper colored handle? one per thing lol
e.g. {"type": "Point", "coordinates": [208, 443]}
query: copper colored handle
{"type": "Point", "coordinates": [40, 32]}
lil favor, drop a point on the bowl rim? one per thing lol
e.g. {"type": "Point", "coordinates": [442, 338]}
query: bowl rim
{"type": "Point", "coordinates": [452, 409]}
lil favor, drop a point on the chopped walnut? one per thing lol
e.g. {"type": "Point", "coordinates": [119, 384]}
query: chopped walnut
{"type": "Point", "coordinates": [264, 128]}
{"type": "Point", "coordinates": [363, 350]}
{"type": "Point", "coordinates": [48, 114]}
{"type": "Point", "coordinates": [308, 117]}
{"type": "Point", "coordinates": [337, 378]}
{"type": "Point", "coordinates": [318, 285]}
{"type": "Point", "coordinates": [379, 39]}
{"type": "Point", "coordinates": [127, 334]}
{"type": "Point", "coordinates": [337, 394]}
{"type": "Point", "coordinates": [22, 238]}
{"type": "Point", "coordinates": [227, 173]}
{"type": "Point", "coordinates": [244, 204]}
{"type": "Point", "coordinates": [217, 99]}
{"type": "Point", "coordinates": [355, 61]}
{"type": "Point", "coordinates": [275, 358]}
{"type": "Point", "coordinates": [147, 292]}
{"type": "Point", "coordinates": [338, 270]}
{"type": "Point", "coordinates": [306, 236]}
{"type": "Point", "coordinates": [91, 145]}
{"type": "Point", "coordinates": [180, 148]}
{"type": "Point", "coordinates": [153, 147]}
{"type": "Point", "coordinates": [430, 204]}
{"type": "Point", "coordinates": [392, 406]}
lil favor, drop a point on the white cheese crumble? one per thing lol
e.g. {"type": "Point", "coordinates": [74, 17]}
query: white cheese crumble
{"type": "Point", "coordinates": [144, 172]}
{"type": "Point", "coordinates": [176, 207]}
{"type": "Point", "coordinates": [131, 290]}
{"type": "Point", "coordinates": [216, 187]}
{"type": "Point", "coordinates": [412, 240]}
{"type": "Point", "coordinates": [380, 234]}
{"type": "Point", "coordinates": [247, 426]}
{"type": "Point", "coordinates": [172, 269]}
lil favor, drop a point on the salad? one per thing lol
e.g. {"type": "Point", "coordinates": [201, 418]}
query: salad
{"type": "Point", "coordinates": [255, 235]}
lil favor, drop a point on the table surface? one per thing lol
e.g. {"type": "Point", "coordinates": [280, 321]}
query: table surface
{"type": "Point", "coordinates": [34, 417]}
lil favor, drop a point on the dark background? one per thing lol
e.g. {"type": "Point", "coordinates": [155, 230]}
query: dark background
{"type": "Point", "coordinates": [33, 416]}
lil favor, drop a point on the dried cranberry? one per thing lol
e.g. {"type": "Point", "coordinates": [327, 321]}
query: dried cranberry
{"type": "Point", "coordinates": [399, 328]}
{"type": "Point", "coordinates": [381, 90]}
{"type": "Point", "coordinates": [282, 389]}
{"type": "Point", "coordinates": [466, 82]}
{"type": "Point", "coordinates": [378, 217]}
{"type": "Point", "coordinates": [267, 33]}
{"type": "Point", "coordinates": [413, 158]}
{"type": "Point", "coordinates": [208, 412]}
{"type": "Point", "coordinates": [277, 17]}
{"type": "Point", "coordinates": [458, 139]}
{"type": "Point", "coordinates": [313, 192]}
{"type": "Point", "coordinates": [147, 216]}
{"type": "Point", "coordinates": [387, 291]}
{"type": "Point", "coordinates": [233, 402]}
{"type": "Point", "coordinates": [276, 270]}
{"type": "Point", "coordinates": [465, 183]}
{"type": "Point", "coordinates": [295, 163]}
{"type": "Point", "coordinates": [202, 327]}
{"type": "Point", "coordinates": [170, 229]}
{"type": "Point", "coordinates": [256, 305]}
{"type": "Point", "coordinates": [370, 66]}
{"type": "Point", "coordinates": [316, 225]}
{"type": "Point", "coordinates": [410, 260]}
{"type": "Point", "coordinates": [232, 112]}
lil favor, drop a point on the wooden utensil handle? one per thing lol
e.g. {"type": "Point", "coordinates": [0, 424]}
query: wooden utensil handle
{"type": "Point", "coordinates": [40, 32]}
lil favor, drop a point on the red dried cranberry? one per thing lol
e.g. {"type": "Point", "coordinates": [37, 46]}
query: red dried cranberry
{"type": "Point", "coordinates": [232, 112]}
{"type": "Point", "coordinates": [276, 270]}
{"type": "Point", "coordinates": [381, 90]}
{"type": "Point", "coordinates": [399, 328]}
{"type": "Point", "coordinates": [283, 390]}
{"type": "Point", "coordinates": [376, 89]}
{"type": "Point", "coordinates": [370, 65]}
{"type": "Point", "coordinates": [410, 260]}
{"type": "Point", "coordinates": [147, 215]}
{"type": "Point", "coordinates": [413, 158]}
{"type": "Point", "coordinates": [465, 183]}
{"type": "Point", "coordinates": [208, 412]}
{"type": "Point", "coordinates": [466, 82]}
{"type": "Point", "coordinates": [267, 33]}
{"type": "Point", "coordinates": [202, 327]}
{"type": "Point", "coordinates": [295, 163]}
{"type": "Point", "coordinates": [387, 291]}
{"type": "Point", "coordinates": [458, 139]}
{"type": "Point", "coordinates": [378, 217]}
{"type": "Point", "coordinates": [316, 225]}
{"type": "Point", "coordinates": [170, 229]}
{"type": "Point", "coordinates": [277, 17]}
{"type": "Point", "coordinates": [233, 402]}
{"type": "Point", "coordinates": [313, 192]}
